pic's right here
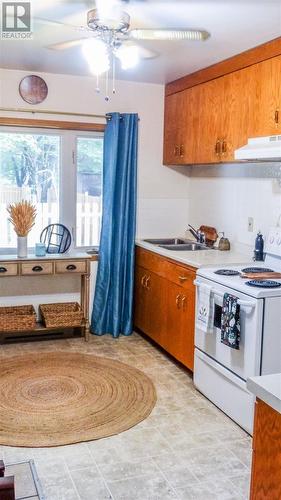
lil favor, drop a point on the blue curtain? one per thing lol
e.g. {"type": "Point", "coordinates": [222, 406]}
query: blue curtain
{"type": "Point", "coordinates": [113, 302]}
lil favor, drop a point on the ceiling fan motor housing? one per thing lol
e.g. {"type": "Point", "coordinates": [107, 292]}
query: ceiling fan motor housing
{"type": "Point", "coordinates": [119, 21]}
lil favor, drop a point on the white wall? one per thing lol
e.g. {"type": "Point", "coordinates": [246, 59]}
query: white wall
{"type": "Point", "coordinates": [162, 192]}
{"type": "Point", "coordinates": [225, 196]}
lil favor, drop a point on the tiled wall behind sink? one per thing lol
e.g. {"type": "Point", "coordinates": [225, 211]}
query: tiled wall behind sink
{"type": "Point", "coordinates": [162, 217]}
{"type": "Point", "coordinates": [225, 196]}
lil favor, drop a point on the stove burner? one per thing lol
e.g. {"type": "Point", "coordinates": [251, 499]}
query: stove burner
{"type": "Point", "coordinates": [257, 270]}
{"type": "Point", "coordinates": [227, 272]}
{"type": "Point", "coordinates": [263, 283]}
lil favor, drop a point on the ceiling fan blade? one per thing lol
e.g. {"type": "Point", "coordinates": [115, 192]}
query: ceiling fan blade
{"type": "Point", "coordinates": [143, 52]}
{"type": "Point", "coordinates": [66, 45]}
{"type": "Point", "coordinates": [169, 34]}
{"type": "Point", "coordinates": [49, 22]}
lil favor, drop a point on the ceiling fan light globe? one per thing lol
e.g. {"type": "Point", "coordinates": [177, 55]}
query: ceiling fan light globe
{"type": "Point", "coordinates": [96, 54]}
{"type": "Point", "coordinates": [128, 56]}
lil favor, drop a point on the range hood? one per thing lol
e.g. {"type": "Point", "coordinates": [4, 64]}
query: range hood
{"type": "Point", "coordinates": [260, 148]}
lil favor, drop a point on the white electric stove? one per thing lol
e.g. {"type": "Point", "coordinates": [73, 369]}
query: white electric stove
{"type": "Point", "coordinates": [221, 372]}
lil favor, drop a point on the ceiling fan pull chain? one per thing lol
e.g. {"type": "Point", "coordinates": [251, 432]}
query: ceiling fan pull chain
{"type": "Point", "coordinates": [113, 75]}
{"type": "Point", "coordinates": [97, 84]}
{"type": "Point", "coordinates": [106, 86]}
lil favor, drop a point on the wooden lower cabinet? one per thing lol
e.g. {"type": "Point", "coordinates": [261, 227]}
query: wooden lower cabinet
{"type": "Point", "coordinates": [266, 461]}
{"type": "Point", "coordinates": [164, 304]}
{"type": "Point", "coordinates": [150, 297]}
{"type": "Point", "coordinates": [179, 338]}
{"type": "Point", "coordinates": [141, 299]}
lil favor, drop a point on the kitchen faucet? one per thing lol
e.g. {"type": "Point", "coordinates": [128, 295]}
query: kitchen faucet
{"type": "Point", "coordinates": [198, 235]}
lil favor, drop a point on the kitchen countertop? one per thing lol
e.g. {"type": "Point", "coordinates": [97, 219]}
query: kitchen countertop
{"type": "Point", "coordinates": [201, 258]}
{"type": "Point", "coordinates": [268, 389]}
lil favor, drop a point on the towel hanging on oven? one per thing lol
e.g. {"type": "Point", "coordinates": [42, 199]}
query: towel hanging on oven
{"type": "Point", "coordinates": [205, 309]}
{"type": "Point", "coordinates": [230, 321]}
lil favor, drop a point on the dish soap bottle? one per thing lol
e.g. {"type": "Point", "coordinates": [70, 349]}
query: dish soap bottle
{"type": "Point", "coordinates": [259, 246]}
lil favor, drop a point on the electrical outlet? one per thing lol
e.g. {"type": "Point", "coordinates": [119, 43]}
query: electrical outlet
{"type": "Point", "coordinates": [250, 224]}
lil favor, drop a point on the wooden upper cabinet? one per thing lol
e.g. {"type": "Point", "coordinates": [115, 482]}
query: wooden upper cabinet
{"type": "Point", "coordinates": [208, 122]}
{"type": "Point", "coordinates": [265, 117]}
{"type": "Point", "coordinates": [211, 121]}
{"type": "Point", "coordinates": [181, 127]}
{"type": "Point", "coordinates": [173, 128]}
{"type": "Point", "coordinates": [224, 111]}
{"type": "Point", "coordinates": [236, 112]}
{"type": "Point", "coordinates": [209, 111]}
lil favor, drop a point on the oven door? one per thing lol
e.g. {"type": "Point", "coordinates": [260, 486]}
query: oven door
{"type": "Point", "coordinates": [246, 361]}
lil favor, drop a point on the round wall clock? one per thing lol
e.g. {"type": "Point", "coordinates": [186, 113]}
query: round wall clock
{"type": "Point", "coordinates": [33, 89]}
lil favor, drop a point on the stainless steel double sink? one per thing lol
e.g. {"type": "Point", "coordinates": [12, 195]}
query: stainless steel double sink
{"type": "Point", "coordinates": [177, 244]}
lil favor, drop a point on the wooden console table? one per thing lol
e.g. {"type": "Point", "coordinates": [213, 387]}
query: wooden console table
{"type": "Point", "coordinates": [52, 265]}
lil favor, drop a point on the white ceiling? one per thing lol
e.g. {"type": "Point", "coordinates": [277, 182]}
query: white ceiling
{"type": "Point", "coordinates": [235, 25]}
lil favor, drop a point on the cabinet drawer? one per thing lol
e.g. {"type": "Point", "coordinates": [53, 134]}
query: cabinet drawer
{"type": "Point", "coordinates": [69, 267]}
{"type": "Point", "coordinates": [151, 261]}
{"type": "Point", "coordinates": [160, 265]}
{"type": "Point", "coordinates": [7, 269]}
{"type": "Point", "coordinates": [180, 275]}
{"type": "Point", "coordinates": [36, 268]}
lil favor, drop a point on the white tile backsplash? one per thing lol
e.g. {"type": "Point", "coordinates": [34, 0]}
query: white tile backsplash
{"type": "Point", "coordinates": [162, 217]}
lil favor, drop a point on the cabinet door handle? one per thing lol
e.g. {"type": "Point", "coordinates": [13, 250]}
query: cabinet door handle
{"type": "Point", "coordinates": [71, 267]}
{"type": "Point", "coordinates": [3, 270]}
{"type": "Point", "coordinates": [276, 116]}
{"type": "Point", "coordinates": [224, 147]}
{"type": "Point", "coordinates": [218, 147]}
{"type": "Point", "coordinates": [183, 278]}
{"type": "Point", "coordinates": [178, 298]}
{"type": "Point", "coordinates": [181, 150]}
{"type": "Point", "coordinates": [37, 269]}
{"type": "Point", "coordinates": [142, 281]}
{"type": "Point", "coordinates": [146, 282]}
{"type": "Point", "coordinates": [183, 301]}
{"type": "Point", "coordinates": [176, 151]}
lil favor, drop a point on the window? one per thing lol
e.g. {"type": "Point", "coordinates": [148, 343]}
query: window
{"type": "Point", "coordinates": [60, 173]}
{"type": "Point", "coordinates": [89, 190]}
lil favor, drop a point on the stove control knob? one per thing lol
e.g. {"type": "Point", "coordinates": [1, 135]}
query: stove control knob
{"type": "Point", "coordinates": [279, 241]}
{"type": "Point", "coordinates": [271, 241]}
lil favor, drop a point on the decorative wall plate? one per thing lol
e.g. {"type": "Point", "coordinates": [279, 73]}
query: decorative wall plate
{"type": "Point", "coordinates": [33, 89]}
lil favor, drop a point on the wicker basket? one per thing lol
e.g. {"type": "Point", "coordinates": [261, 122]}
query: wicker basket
{"type": "Point", "coordinates": [16, 318]}
{"type": "Point", "coordinates": [66, 314]}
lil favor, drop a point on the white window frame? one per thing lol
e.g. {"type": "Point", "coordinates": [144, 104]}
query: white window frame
{"type": "Point", "coordinates": [67, 175]}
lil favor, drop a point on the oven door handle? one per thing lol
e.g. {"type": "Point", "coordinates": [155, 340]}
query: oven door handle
{"type": "Point", "coordinates": [243, 303]}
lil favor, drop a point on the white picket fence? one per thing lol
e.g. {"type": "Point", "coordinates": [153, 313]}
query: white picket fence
{"type": "Point", "coordinates": [12, 194]}
{"type": "Point", "coordinates": [88, 220]}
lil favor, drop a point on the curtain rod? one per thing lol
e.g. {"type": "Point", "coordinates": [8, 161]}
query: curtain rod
{"type": "Point", "coordinates": [51, 112]}
{"type": "Point", "coordinates": [108, 117]}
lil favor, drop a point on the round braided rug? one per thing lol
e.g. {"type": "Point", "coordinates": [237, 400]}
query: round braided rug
{"type": "Point", "coordinates": [58, 398]}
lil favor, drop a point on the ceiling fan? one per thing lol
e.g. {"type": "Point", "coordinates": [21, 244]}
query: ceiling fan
{"type": "Point", "coordinates": [108, 35]}
{"type": "Point", "coordinates": [110, 23]}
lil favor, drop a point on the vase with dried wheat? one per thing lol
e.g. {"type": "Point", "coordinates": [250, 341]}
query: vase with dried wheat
{"type": "Point", "coordinates": [22, 216]}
